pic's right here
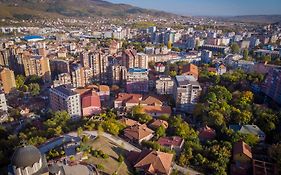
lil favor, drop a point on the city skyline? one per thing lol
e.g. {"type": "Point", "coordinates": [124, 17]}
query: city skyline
{"type": "Point", "coordinates": [210, 8]}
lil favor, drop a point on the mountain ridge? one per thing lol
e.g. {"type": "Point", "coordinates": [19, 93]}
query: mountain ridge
{"type": "Point", "coordinates": [70, 8]}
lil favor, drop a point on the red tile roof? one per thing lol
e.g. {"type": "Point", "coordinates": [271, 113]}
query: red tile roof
{"type": "Point", "coordinates": [157, 123]}
{"type": "Point", "coordinates": [128, 122]}
{"type": "Point", "coordinates": [138, 132]}
{"type": "Point", "coordinates": [151, 101]}
{"type": "Point", "coordinates": [170, 141]}
{"type": "Point", "coordinates": [190, 69]}
{"type": "Point", "coordinates": [206, 133]}
{"type": "Point", "coordinates": [90, 99]}
{"type": "Point", "coordinates": [158, 109]}
{"type": "Point", "coordinates": [129, 98]}
{"type": "Point", "coordinates": [241, 147]}
{"type": "Point", "coordinates": [151, 161]}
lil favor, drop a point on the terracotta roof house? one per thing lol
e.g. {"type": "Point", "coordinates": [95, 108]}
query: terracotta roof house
{"type": "Point", "coordinates": [151, 162]}
{"type": "Point", "coordinates": [157, 123]}
{"type": "Point", "coordinates": [174, 142]}
{"type": "Point", "coordinates": [190, 69]}
{"type": "Point", "coordinates": [157, 111]}
{"type": "Point", "coordinates": [242, 159]}
{"type": "Point", "coordinates": [127, 100]}
{"type": "Point", "coordinates": [151, 101]}
{"type": "Point", "coordinates": [139, 132]}
{"type": "Point", "coordinates": [206, 133]}
{"type": "Point", "coordinates": [212, 70]}
{"type": "Point", "coordinates": [128, 122]}
{"type": "Point", "coordinates": [91, 103]}
{"type": "Point", "coordinates": [249, 129]}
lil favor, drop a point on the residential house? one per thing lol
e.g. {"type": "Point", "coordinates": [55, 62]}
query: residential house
{"type": "Point", "coordinates": [127, 100]}
{"type": "Point", "coordinates": [151, 162]}
{"type": "Point", "coordinates": [138, 133]}
{"type": "Point", "coordinates": [206, 133]}
{"type": "Point", "coordinates": [173, 143]}
{"type": "Point", "coordinates": [249, 129]}
{"type": "Point", "coordinates": [190, 69]}
{"type": "Point", "coordinates": [242, 159]}
{"type": "Point", "coordinates": [128, 122]}
{"type": "Point", "coordinates": [157, 111]}
{"type": "Point", "coordinates": [157, 123]}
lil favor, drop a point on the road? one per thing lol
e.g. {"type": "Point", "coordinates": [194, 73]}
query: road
{"type": "Point", "coordinates": [185, 170]}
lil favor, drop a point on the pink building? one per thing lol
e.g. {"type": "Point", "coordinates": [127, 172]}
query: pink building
{"type": "Point", "coordinates": [91, 104]}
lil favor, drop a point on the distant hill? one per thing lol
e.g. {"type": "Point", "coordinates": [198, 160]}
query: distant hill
{"type": "Point", "coordinates": [265, 19]}
{"type": "Point", "coordinates": [26, 9]}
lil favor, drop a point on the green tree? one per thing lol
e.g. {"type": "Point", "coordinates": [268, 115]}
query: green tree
{"type": "Point", "coordinates": [251, 139]}
{"type": "Point", "coordinates": [275, 153]}
{"type": "Point", "coordinates": [235, 48]}
{"type": "Point", "coordinates": [79, 131]}
{"type": "Point", "coordinates": [20, 79]}
{"type": "Point", "coordinates": [160, 132]}
{"type": "Point", "coordinates": [246, 54]}
{"type": "Point", "coordinates": [169, 45]}
{"type": "Point", "coordinates": [34, 89]}
{"type": "Point", "coordinates": [173, 73]}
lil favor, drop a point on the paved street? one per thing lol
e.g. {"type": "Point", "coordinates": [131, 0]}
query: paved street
{"type": "Point", "coordinates": [185, 170]}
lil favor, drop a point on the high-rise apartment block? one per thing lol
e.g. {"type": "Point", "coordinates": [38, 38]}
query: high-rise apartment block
{"type": "Point", "coordinates": [100, 65]}
{"type": "Point", "coordinates": [186, 92]}
{"type": "Point", "coordinates": [272, 85]}
{"type": "Point", "coordinates": [37, 65]}
{"type": "Point", "coordinates": [8, 80]}
{"type": "Point", "coordinates": [118, 74]}
{"type": "Point", "coordinates": [62, 98]}
{"type": "Point", "coordinates": [81, 76]}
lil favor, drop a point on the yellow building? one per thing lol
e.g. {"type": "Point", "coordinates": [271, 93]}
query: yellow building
{"type": "Point", "coordinates": [8, 80]}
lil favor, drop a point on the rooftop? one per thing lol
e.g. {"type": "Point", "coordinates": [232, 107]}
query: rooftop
{"type": "Point", "coordinates": [137, 70]}
{"type": "Point", "coordinates": [65, 90]}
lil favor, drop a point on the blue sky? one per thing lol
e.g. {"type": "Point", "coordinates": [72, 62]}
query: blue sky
{"type": "Point", "coordinates": [210, 7]}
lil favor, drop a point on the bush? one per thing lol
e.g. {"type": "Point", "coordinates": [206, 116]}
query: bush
{"type": "Point", "coordinates": [100, 166]}
{"type": "Point", "coordinates": [120, 159]}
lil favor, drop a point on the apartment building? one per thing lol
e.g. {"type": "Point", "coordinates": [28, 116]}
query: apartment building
{"type": "Point", "coordinates": [272, 85]}
{"type": "Point", "coordinates": [62, 98]}
{"type": "Point", "coordinates": [186, 92]}
{"type": "Point", "coordinates": [63, 79]}
{"type": "Point", "coordinates": [3, 102]}
{"type": "Point", "coordinates": [8, 80]}
{"type": "Point", "coordinates": [137, 80]}
{"type": "Point", "coordinates": [81, 76]}
{"type": "Point", "coordinates": [37, 65]}
{"type": "Point", "coordinates": [98, 62]}
{"type": "Point", "coordinates": [118, 74]}
{"type": "Point", "coordinates": [164, 85]}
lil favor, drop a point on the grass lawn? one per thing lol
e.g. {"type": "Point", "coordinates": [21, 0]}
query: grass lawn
{"type": "Point", "coordinates": [110, 164]}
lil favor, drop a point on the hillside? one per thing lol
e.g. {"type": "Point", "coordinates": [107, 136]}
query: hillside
{"type": "Point", "coordinates": [26, 9]}
{"type": "Point", "coordinates": [266, 19]}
